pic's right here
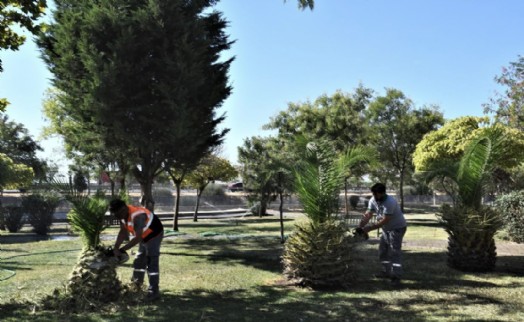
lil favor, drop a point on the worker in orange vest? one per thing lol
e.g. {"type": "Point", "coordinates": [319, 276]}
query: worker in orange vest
{"type": "Point", "coordinates": [147, 231]}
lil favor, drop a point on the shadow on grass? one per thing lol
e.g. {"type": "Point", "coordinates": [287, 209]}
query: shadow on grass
{"type": "Point", "coordinates": [260, 253]}
{"type": "Point", "coordinates": [429, 286]}
{"type": "Point", "coordinates": [512, 265]}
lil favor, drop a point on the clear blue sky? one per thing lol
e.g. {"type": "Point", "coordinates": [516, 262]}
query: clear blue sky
{"type": "Point", "coordinates": [443, 52]}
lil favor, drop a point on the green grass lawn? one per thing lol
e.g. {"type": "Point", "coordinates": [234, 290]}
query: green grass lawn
{"type": "Point", "coordinates": [229, 270]}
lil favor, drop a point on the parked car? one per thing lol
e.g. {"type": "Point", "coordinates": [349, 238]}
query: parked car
{"type": "Point", "coordinates": [236, 186]}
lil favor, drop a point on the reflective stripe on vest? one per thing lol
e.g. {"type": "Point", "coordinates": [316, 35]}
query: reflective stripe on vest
{"type": "Point", "coordinates": [135, 211]}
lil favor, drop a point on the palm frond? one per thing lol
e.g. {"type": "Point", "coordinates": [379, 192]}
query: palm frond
{"type": "Point", "coordinates": [87, 214]}
{"type": "Point", "coordinates": [479, 160]}
{"type": "Point", "coordinates": [318, 180]}
{"type": "Point", "coordinates": [472, 171]}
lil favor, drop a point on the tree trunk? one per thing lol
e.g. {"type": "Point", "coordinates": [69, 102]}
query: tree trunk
{"type": "Point", "coordinates": [112, 183]}
{"type": "Point", "coordinates": [280, 208]}
{"type": "Point", "coordinates": [263, 207]}
{"type": "Point", "coordinates": [177, 204]}
{"type": "Point", "coordinates": [146, 186]}
{"type": "Point", "coordinates": [401, 192]}
{"type": "Point", "coordinates": [195, 215]}
{"type": "Point", "coordinates": [123, 183]}
{"type": "Point", "coordinates": [88, 179]}
{"type": "Point", "coordinates": [346, 196]}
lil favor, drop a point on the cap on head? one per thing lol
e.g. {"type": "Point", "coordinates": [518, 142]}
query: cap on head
{"type": "Point", "coordinates": [378, 188]}
{"type": "Point", "coordinates": [115, 205]}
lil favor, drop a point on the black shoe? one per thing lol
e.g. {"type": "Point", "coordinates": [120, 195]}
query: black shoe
{"type": "Point", "coordinates": [395, 282]}
{"type": "Point", "coordinates": [382, 275]}
{"type": "Point", "coordinates": [152, 296]}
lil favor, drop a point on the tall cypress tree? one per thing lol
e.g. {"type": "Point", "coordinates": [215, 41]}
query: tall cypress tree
{"type": "Point", "coordinates": [145, 76]}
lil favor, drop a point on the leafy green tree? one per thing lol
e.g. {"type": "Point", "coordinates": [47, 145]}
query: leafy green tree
{"type": "Point", "coordinates": [83, 146]}
{"type": "Point", "coordinates": [14, 175]}
{"type": "Point", "coordinates": [447, 144]}
{"type": "Point", "coordinates": [508, 107]}
{"type": "Point", "coordinates": [339, 118]}
{"type": "Point", "coordinates": [144, 78]}
{"type": "Point", "coordinates": [470, 224]}
{"type": "Point", "coordinates": [178, 171]}
{"type": "Point", "coordinates": [18, 145]}
{"type": "Point", "coordinates": [397, 129]}
{"type": "Point", "coordinates": [211, 168]}
{"type": "Point", "coordinates": [23, 13]}
{"type": "Point", "coordinates": [257, 171]}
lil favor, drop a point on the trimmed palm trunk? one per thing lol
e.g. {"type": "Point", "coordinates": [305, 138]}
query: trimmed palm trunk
{"type": "Point", "coordinates": [470, 225]}
{"type": "Point", "coordinates": [320, 253]}
{"type": "Point", "coordinates": [471, 242]}
{"type": "Point", "coordinates": [93, 281]}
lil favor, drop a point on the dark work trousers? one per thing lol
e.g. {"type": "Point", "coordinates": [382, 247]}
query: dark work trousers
{"type": "Point", "coordinates": [147, 260]}
{"type": "Point", "coordinates": [390, 251]}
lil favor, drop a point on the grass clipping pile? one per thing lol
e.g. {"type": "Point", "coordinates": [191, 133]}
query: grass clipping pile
{"type": "Point", "coordinates": [92, 286]}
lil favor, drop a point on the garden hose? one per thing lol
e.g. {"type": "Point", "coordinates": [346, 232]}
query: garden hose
{"type": "Point", "coordinates": [13, 273]}
{"type": "Point", "coordinates": [8, 272]}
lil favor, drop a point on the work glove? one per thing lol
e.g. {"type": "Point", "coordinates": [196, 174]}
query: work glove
{"type": "Point", "coordinates": [120, 259]}
{"type": "Point", "coordinates": [359, 232]}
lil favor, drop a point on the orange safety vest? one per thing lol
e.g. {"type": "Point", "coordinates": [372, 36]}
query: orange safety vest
{"type": "Point", "coordinates": [136, 211]}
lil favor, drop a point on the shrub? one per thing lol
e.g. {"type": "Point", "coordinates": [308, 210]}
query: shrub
{"type": "Point", "coordinates": [164, 196]}
{"type": "Point", "coordinates": [353, 201]}
{"type": "Point", "coordinates": [255, 208]}
{"type": "Point", "coordinates": [214, 189]}
{"type": "Point", "coordinates": [40, 208]}
{"type": "Point", "coordinates": [511, 207]}
{"type": "Point", "coordinates": [13, 218]}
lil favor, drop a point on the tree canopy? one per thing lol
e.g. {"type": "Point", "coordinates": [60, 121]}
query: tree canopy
{"type": "Point", "coordinates": [143, 77]}
{"type": "Point", "coordinates": [19, 146]}
{"type": "Point", "coordinates": [446, 146]}
{"type": "Point", "coordinates": [448, 142]}
{"type": "Point", "coordinates": [14, 175]}
{"type": "Point", "coordinates": [397, 129]}
{"type": "Point", "coordinates": [339, 118]}
{"type": "Point", "coordinates": [23, 13]}
{"type": "Point", "coordinates": [508, 106]}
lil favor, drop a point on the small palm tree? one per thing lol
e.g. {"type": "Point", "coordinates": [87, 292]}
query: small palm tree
{"type": "Point", "coordinates": [319, 253]}
{"type": "Point", "coordinates": [94, 280]}
{"type": "Point", "coordinates": [470, 225]}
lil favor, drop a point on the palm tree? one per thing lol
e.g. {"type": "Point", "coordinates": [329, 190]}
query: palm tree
{"type": "Point", "coordinates": [319, 253]}
{"type": "Point", "coordinates": [94, 280]}
{"type": "Point", "coordinates": [470, 225]}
